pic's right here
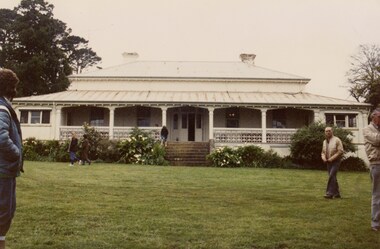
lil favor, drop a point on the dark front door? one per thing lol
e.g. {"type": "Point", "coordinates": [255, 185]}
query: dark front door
{"type": "Point", "coordinates": [191, 127]}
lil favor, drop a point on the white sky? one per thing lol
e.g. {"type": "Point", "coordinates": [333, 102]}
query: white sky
{"type": "Point", "coordinates": [309, 38]}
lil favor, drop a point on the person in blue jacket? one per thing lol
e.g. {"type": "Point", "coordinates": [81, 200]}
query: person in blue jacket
{"type": "Point", "coordinates": [11, 162]}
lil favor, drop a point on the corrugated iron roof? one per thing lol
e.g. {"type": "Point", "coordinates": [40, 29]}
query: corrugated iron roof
{"type": "Point", "coordinates": [94, 96]}
{"type": "Point", "coordinates": [180, 69]}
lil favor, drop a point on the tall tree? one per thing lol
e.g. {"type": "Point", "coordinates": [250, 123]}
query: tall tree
{"type": "Point", "coordinates": [39, 48]}
{"type": "Point", "coordinates": [364, 75]}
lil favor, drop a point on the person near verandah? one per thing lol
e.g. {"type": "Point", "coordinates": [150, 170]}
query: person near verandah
{"type": "Point", "coordinates": [332, 152]}
{"type": "Point", "coordinates": [372, 148]}
{"type": "Point", "coordinates": [73, 148]}
{"type": "Point", "coordinates": [11, 162]}
{"type": "Point", "coordinates": [164, 135]}
{"type": "Point", "coordinates": [85, 150]}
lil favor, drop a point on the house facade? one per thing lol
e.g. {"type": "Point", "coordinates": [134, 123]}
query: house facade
{"type": "Point", "coordinates": [225, 103]}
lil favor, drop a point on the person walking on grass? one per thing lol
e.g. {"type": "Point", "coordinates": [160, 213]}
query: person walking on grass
{"type": "Point", "coordinates": [85, 150]}
{"type": "Point", "coordinates": [73, 148]}
{"type": "Point", "coordinates": [372, 148]}
{"type": "Point", "coordinates": [332, 152]}
{"type": "Point", "coordinates": [11, 163]}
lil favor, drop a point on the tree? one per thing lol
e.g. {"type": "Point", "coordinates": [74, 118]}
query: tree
{"type": "Point", "coordinates": [306, 145]}
{"type": "Point", "coordinates": [364, 76]}
{"type": "Point", "coordinates": [40, 49]}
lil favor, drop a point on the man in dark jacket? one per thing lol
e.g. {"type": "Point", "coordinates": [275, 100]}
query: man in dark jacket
{"type": "Point", "coordinates": [10, 151]}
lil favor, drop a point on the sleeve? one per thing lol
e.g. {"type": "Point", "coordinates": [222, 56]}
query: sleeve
{"type": "Point", "coordinates": [372, 137]}
{"type": "Point", "coordinates": [7, 147]}
{"type": "Point", "coordinates": [323, 153]}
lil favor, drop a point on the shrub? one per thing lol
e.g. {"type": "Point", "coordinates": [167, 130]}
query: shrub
{"type": "Point", "coordinates": [141, 148]}
{"type": "Point", "coordinates": [107, 151]}
{"type": "Point", "coordinates": [353, 164]}
{"type": "Point", "coordinates": [251, 156]}
{"type": "Point", "coordinates": [271, 159]}
{"type": "Point", "coordinates": [306, 145]}
{"type": "Point", "coordinates": [225, 157]}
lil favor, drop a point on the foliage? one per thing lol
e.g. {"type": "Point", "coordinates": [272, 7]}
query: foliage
{"type": "Point", "coordinates": [364, 76]}
{"type": "Point", "coordinates": [50, 150]}
{"type": "Point", "coordinates": [251, 156]}
{"type": "Point", "coordinates": [225, 157]}
{"type": "Point", "coordinates": [353, 164]}
{"type": "Point", "coordinates": [137, 148]}
{"type": "Point", "coordinates": [306, 145]}
{"type": "Point", "coordinates": [40, 49]}
{"type": "Point", "coordinates": [94, 139]}
{"type": "Point", "coordinates": [107, 151]}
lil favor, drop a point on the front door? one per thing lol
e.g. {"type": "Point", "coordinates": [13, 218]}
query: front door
{"type": "Point", "coordinates": [191, 127]}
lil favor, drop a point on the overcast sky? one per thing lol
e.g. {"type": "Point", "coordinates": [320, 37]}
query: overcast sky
{"type": "Point", "coordinates": [309, 38]}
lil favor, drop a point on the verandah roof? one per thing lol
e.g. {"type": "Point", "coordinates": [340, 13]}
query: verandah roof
{"type": "Point", "coordinates": [199, 97]}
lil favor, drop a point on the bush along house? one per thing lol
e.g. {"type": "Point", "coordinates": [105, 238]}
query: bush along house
{"type": "Point", "coordinates": [211, 103]}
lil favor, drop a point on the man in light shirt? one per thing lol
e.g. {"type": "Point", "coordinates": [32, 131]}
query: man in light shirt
{"type": "Point", "coordinates": [332, 152]}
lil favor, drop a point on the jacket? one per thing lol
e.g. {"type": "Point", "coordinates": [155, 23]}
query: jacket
{"type": "Point", "coordinates": [372, 143]}
{"type": "Point", "coordinates": [335, 149]}
{"type": "Point", "coordinates": [11, 162]}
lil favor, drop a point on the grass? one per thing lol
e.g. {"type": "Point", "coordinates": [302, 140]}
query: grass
{"type": "Point", "coordinates": [126, 206]}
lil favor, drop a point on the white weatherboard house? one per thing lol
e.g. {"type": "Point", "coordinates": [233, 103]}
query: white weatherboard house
{"type": "Point", "coordinates": [226, 103]}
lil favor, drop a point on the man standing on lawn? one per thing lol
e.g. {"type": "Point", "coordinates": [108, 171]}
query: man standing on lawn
{"type": "Point", "coordinates": [10, 151]}
{"type": "Point", "coordinates": [332, 152]}
{"type": "Point", "coordinates": [372, 148]}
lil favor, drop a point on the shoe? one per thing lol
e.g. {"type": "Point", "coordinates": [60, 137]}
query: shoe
{"type": "Point", "coordinates": [328, 196]}
{"type": "Point", "coordinates": [71, 165]}
{"type": "Point", "coordinates": [375, 229]}
{"type": "Point", "coordinates": [337, 196]}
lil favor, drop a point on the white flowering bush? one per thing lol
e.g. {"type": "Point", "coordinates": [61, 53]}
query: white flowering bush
{"type": "Point", "coordinates": [141, 148]}
{"type": "Point", "coordinates": [225, 157]}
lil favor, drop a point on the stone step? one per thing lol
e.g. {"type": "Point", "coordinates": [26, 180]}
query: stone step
{"type": "Point", "coordinates": [187, 153]}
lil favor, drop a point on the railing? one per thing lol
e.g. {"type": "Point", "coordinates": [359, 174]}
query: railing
{"type": "Point", "coordinates": [280, 136]}
{"type": "Point", "coordinates": [237, 135]}
{"type": "Point", "coordinates": [254, 136]}
{"type": "Point", "coordinates": [118, 132]}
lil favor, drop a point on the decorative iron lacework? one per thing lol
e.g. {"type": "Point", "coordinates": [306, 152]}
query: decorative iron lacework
{"type": "Point", "coordinates": [224, 135]}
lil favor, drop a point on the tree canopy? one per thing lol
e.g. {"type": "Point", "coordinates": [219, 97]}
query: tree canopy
{"type": "Point", "coordinates": [40, 48]}
{"type": "Point", "coordinates": [364, 75]}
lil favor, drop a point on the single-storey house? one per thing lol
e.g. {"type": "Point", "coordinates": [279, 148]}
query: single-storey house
{"type": "Point", "coordinates": [226, 103]}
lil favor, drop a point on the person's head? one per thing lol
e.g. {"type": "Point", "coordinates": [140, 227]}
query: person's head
{"type": "Point", "coordinates": [375, 116]}
{"type": "Point", "coordinates": [328, 132]}
{"type": "Point", "coordinates": [73, 134]}
{"type": "Point", "coordinates": [85, 136]}
{"type": "Point", "coordinates": [8, 83]}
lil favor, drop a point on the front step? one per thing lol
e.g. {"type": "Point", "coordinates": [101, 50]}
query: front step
{"type": "Point", "coordinates": [187, 153]}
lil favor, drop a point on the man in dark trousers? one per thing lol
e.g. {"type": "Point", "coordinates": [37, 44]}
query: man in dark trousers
{"type": "Point", "coordinates": [332, 152]}
{"type": "Point", "coordinates": [11, 162]}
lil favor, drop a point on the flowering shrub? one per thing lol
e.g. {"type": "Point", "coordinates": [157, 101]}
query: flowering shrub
{"type": "Point", "coordinates": [141, 148]}
{"type": "Point", "coordinates": [246, 156]}
{"type": "Point", "coordinates": [225, 157]}
{"type": "Point", "coordinates": [50, 150]}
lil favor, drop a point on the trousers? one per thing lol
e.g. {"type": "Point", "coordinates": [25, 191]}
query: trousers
{"type": "Point", "coordinates": [7, 203]}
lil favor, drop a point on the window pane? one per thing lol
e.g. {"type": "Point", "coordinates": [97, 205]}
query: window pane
{"type": "Point", "coordinates": [35, 117]}
{"type": "Point", "coordinates": [330, 119]}
{"type": "Point", "coordinates": [24, 117]}
{"type": "Point", "coordinates": [352, 120]}
{"type": "Point", "coordinates": [46, 117]}
{"type": "Point", "coordinates": [340, 120]}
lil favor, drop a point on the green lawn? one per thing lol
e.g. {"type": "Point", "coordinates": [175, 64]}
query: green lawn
{"type": "Point", "coordinates": [126, 206]}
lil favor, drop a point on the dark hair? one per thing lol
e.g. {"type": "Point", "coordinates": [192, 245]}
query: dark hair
{"type": "Point", "coordinates": [8, 83]}
{"type": "Point", "coordinates": [85, 136]}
